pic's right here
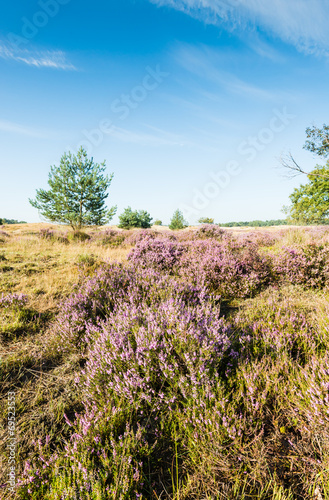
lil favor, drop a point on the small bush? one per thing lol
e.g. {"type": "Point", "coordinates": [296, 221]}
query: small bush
{"type": "Point", "coordinates": [210, 231]}
{"type": "Point", "coordinates": [130, 218]}
{"type": "Point", "coordinates": [206, 220]}
{"type": "Point", "coordinates": [50, 235]}
{"type": "Point", "coordinates": [137, 236]}
{"type": "Point", "coordinates": [112, 238]}
{"type": "Point", "coordinates": [78, 236]}
{"type": "Point", "coordinates": [157, 222]}
{"type": "Point", "coordinates": [46, 234]}
{"type": "Point", "coordinates": [228, 269]}
{"type": "Point", "coordinates": [307, 265]}
{"type": "Point", "coordinates": [161, 254]}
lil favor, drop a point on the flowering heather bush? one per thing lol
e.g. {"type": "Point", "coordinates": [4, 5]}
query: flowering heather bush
{"type": "Point", "coordinates": [49, 234]}
{"type": "Point", "coordinates": [171, 346]}
{"type": "Point", "coordinates": [81, 314]}
{"type": "Point", "coordinates": [310, 400]}
{"type": "Point", "coordinates": [13, 300]}
{"type": "Point", "coordinates": [153, 356]}
{"type": "Point", "coordinates": [307, 265]}
{"type": "Point", "coordinates": [46, 234]}
{"type": "Point", "coordinates": [229, 269]}
{"type": "Point", "coordinates": [161, 254]}
{"type": "Point", "coordinates": [132, 238]}
{"type": "Point", "coordinates": [261, 239]}
{"type": "Point", "coordinates": [109, 237]}
{"type": "Point", "coordinates": [274, 328]}
{"type": "Point", "coordinates": [210, 231]}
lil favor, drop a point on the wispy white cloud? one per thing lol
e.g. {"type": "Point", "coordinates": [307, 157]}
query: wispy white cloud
{"type": "Point", "coordinates": [17, 128]}
{"type": "Point", "coordinates": [205, 62]}
{"type": "Point", "coordinates": [55, 59]}
{"type": "Point", "coordinates": [303, 23]}
{"type": "Point", "coordinates": [6, 126]}
{"type": "Point", "coordinates": [158, 138]}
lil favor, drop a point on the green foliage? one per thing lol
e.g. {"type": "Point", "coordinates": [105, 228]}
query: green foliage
{"type": "Point", "coordinates": [77, 193]}
{"type": "Point", "coordinates": [310, 202]}
{"type": "Point", "coordinates": [78, 236]}
{"type": "Point", "coordinates": [133, 218]}
{"type": "Point", "coordinates": [157, 222]}
{"type": "Point", "coordinates": [177, 221]}
{"type": "Point", "coordinates": [11, 221]}
{"type": "Point", "coordinates": [255, 223]}
{"type": "Point", "coordinates": [206, 220]}
{"type": "Point", "coordinates": [318, 140]}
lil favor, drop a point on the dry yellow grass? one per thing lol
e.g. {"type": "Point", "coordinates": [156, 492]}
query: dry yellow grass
{"type": "Point", "coordinates": [43, 269]}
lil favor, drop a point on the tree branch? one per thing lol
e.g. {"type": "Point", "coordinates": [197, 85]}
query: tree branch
{"type": "Point", "coordinates": [289, 162]}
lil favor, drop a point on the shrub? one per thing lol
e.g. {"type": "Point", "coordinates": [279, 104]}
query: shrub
{"type": "Point", "coordinates": [49, 234]}
{"type": "Point", "coordinates": [229, 269]}
{"type": "Point", "coordinates": [109, 237]}
{"type": "Point", "coordinates": [210, 231]}
{"type": "Point", "coordinates": [78, 236]}
{"type": "Point", "coordinates": [160, 254]}
{"type": "Point", "coordinates": [87, 260]}
{"type": "Point", "coordinates": [136, 236]}
{"type": "Point", "coordinates": [130, 218]}
{"type": "Point", "coordinates": [46, 234]}
{"type": "Point", "coordinates": [206, 220]}
{"type": "Point", "coordinates": [307, 265]}
{"type": "Point", "coordinates": [157, 222]}
{"type": "Point", "coordinates": [159, 348]}
{"type": "Point", "coordinates": [275, 327]}
{"type": "Point", "coordinates": [177, 221]}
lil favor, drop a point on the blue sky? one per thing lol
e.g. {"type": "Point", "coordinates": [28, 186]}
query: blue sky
{"type": "Point", "coordinates": [191, 102]}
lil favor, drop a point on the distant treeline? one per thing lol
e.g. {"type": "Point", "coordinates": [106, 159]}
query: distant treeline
{"type": "Point", "coordinates": [256, 223]}
{"type": "Point", "coordinates": [11, 221]}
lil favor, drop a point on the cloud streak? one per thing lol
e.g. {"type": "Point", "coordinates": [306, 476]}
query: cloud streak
{"type": "Point", "coordinates": [301, 23]}
{"type": "Point", "coordinates": [158, 138]}
{"type": "Point", "coordinates": [54, 59]}
{"type": "Point", "coordinates": [17, 128]}
{"type": "Point", "coordinates": [205, 63]}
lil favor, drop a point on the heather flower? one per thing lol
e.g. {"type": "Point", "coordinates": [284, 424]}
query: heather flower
{"type": "Point", "coordinates": [13, 300]}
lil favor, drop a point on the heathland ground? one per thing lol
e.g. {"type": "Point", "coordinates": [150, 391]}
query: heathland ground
{"type": "Point", "coordinates": [165, 364]}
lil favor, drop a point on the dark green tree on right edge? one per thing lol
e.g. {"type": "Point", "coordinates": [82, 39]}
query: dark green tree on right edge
{"type": "Point", "coordinates": [178, 221]}
{"type": "Point", "coordinates": [310, 202]}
